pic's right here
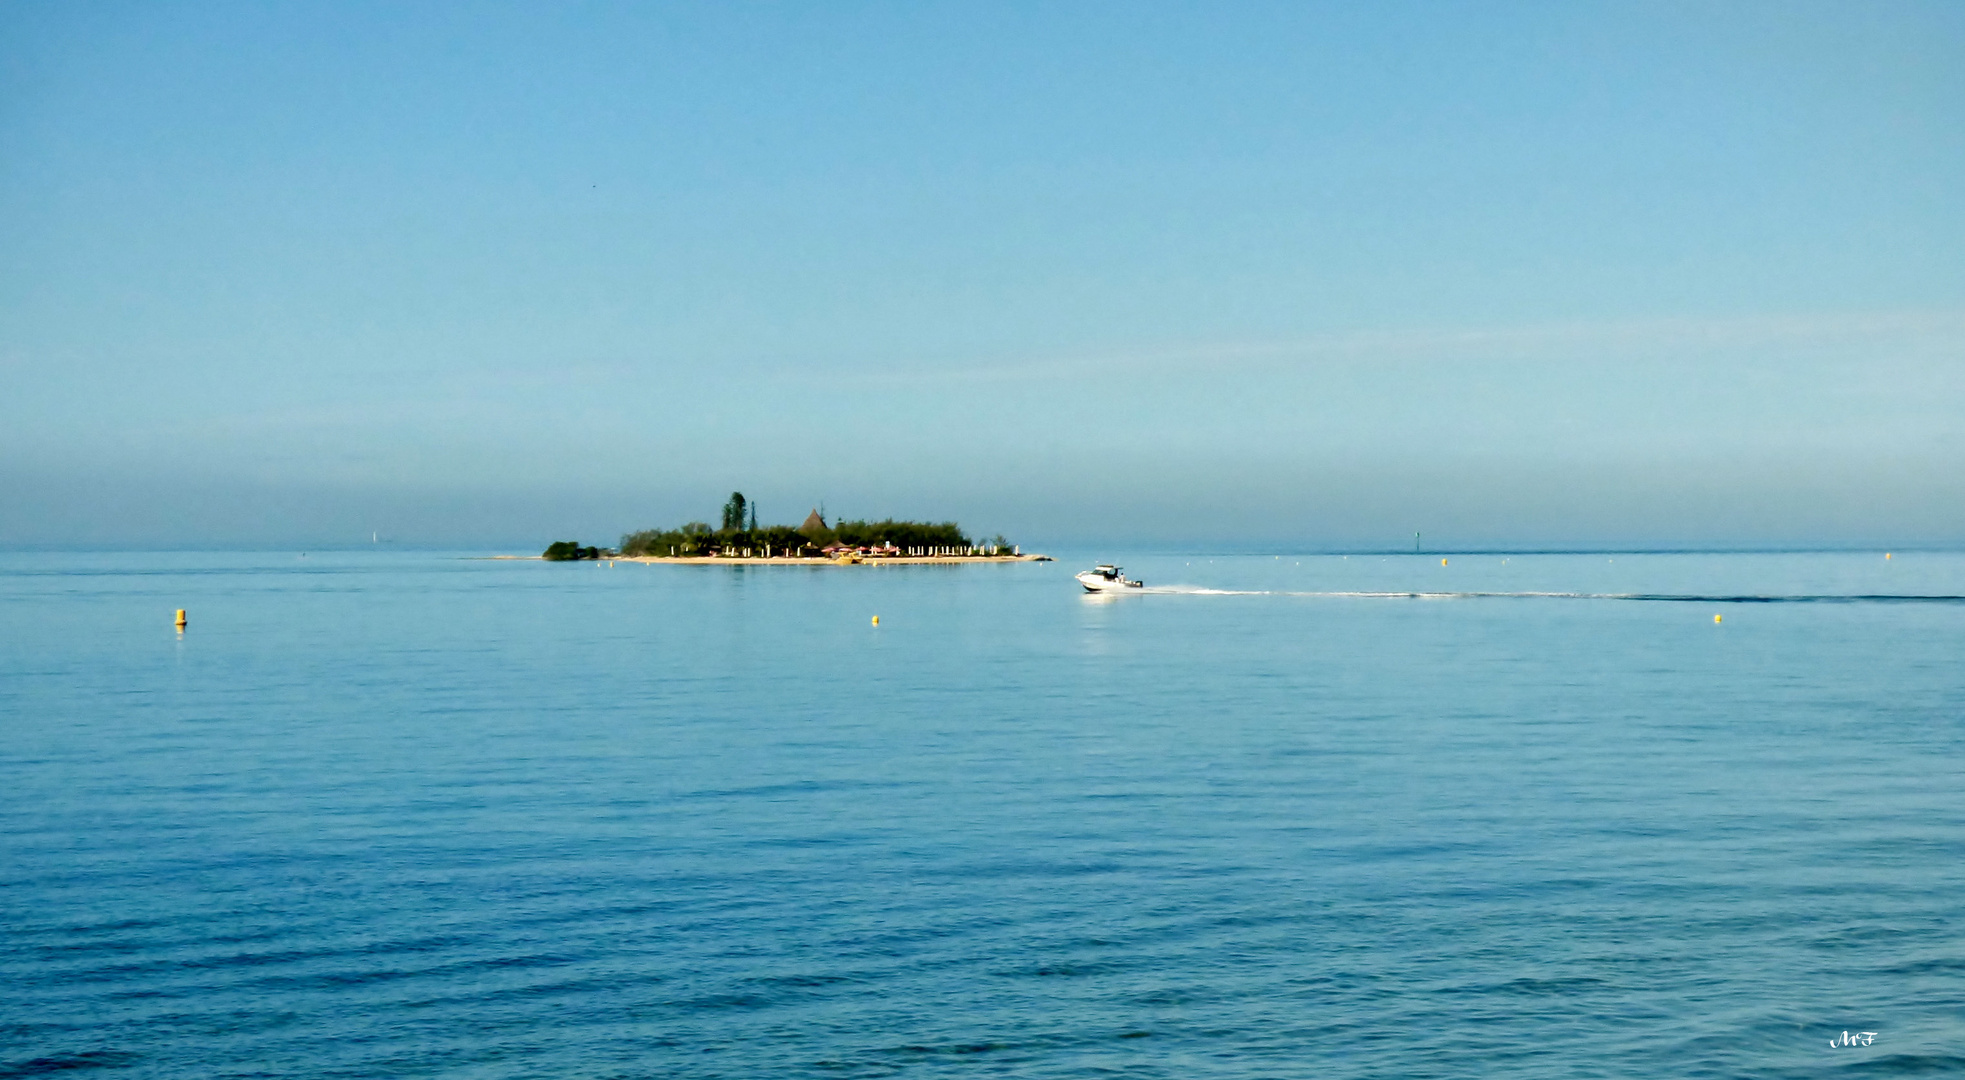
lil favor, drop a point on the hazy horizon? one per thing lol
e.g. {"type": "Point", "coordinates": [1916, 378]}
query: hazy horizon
{"type": "Point", "coordinates": [1531, 276]}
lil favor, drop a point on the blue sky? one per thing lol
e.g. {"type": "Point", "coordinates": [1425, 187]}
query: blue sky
{"type": "Point", "coordinates": [1308, 275]}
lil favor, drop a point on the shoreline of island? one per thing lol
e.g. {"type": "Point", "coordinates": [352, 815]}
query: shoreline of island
{"type": "Point", "coordinates": [823, 560]}
{"type": "Point", "coordinates": [790, 560]}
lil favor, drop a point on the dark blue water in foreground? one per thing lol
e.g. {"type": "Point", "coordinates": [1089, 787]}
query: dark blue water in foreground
{"type": "Point", "coordinates": [412, 815]}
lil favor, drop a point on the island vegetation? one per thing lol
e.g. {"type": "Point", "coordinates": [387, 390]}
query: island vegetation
{"type": "Point", "coordinates": [739, 534]}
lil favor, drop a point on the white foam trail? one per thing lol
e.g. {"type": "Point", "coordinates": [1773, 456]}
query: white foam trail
{"type": "Point", "coordinates": [1685, 598]}
{"type": "Point", "coordinates": [1198, 590]}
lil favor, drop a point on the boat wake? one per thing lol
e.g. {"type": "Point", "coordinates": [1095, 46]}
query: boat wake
{"type": "Point", "coordinates": [1656, 598]}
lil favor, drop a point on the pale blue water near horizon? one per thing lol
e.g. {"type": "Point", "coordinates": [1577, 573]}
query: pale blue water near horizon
{"type": "Point", "coordinates": [410, 814]}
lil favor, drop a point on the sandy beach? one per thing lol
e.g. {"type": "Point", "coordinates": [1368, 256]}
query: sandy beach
{"type": "Point", "coordinates": [820, 560]}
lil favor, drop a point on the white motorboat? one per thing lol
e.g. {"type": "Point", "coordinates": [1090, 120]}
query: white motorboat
{"type": "Point", "coordinates": [1105, 578]}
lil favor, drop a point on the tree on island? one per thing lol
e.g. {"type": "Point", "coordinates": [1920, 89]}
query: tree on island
{"type": "Point", "coordinates": [902, 534]}
{"type": "Point", "coordinates": [569, 551]}
{"type": "Point", "coordinates": [814, 536]}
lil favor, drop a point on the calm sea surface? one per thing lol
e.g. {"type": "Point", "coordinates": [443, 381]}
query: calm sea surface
{"type": "Point", "coordinates": [410, 814]}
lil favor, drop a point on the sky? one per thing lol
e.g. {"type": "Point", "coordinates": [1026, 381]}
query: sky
{"type": "Point", "coordinates": [1311, 276]}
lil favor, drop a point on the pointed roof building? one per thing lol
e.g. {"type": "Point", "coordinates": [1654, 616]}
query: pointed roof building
{"type": "Point", "coordinates": [813, 523]}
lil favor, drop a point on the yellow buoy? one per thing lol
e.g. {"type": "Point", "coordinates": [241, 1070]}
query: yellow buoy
{"type": "Point", "coordinates": [876, 620]}
{"type": "Point", "coordinates": [1715, 618]}
{"type": "Point", "coordinates": [180, 618]}
{"type": "Point", "coordinates": [1886, 554]}
{"type": "Point", "coordinates": [1442, 562]}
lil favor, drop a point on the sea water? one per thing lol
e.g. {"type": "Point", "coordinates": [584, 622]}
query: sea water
{"type": "Point", "coordinates": [413, 814]}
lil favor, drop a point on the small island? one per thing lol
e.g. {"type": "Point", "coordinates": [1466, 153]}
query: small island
{"type": "Point", "coordinates": [741, 539]}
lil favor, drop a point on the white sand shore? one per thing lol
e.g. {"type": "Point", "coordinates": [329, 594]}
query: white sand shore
{"type": "Point", "coordinates": [820, 560]}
